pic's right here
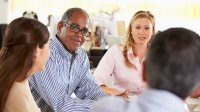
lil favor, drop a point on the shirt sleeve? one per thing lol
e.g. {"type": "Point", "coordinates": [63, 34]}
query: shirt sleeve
{"type": "Point", "coordinates": [105, 67]}
{"type": "Point", "coordinates": [88, 88]}
{"type": "Point", "coordinates": [53, 91]}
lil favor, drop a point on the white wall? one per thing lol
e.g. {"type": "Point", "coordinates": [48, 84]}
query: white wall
{"type": "Point", "coordinates": [4, 11]}
{"type": "Point", "coordinates": [168, 13]}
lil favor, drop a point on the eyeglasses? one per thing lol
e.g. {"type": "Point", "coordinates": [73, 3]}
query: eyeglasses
{"type": "Point", "coordinates": [75, 28]}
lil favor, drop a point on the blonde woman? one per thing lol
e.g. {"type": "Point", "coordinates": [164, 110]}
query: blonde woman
{"type": "Point", "coordinates": [24, 52]}
{"type": "Point", "coordinates": [124, 62]}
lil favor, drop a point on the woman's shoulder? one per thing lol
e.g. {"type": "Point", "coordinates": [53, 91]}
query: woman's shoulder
{"type": "Point", "coordinates": [117, 47]}
{"type": "Point", "coordinates": [18, 89]}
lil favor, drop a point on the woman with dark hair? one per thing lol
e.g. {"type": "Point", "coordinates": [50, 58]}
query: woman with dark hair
{"type": "Point", "coordinates": [24, 52]}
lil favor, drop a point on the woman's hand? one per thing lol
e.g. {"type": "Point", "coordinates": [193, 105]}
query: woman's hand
{"type": "Point", "coordinates": [114, 92]}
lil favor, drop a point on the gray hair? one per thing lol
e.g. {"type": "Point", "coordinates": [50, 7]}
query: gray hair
{"type": "Point", "coordinates": [68, 14]}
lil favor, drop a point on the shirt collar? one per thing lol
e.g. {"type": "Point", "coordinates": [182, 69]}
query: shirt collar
{"type": "Point", "coordinates": [130, 52]}
{"type": "Point", "coordinates": [132, 55]}
{"type": "Point", "coordinates": [61, 49]}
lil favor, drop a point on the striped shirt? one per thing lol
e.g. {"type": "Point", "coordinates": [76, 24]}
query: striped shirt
{"type": "Point", "coordinates": [65, 74]}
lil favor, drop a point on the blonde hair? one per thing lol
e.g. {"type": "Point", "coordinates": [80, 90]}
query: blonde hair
{"type": "Point", "coordinates": [129, 42]}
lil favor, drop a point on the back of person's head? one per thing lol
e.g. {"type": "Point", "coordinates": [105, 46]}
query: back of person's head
{"type": "Point", "coordinates": [22, 37]}
{"type": "Point", "coordinates": [2, 30]}
{"type": "Point", "coordinates": [173, 61]}
{"type": "Point", "coordinates": [68, 14]}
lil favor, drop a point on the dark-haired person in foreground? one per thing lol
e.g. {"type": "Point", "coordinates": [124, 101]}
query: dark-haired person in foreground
{"type": "Point", "coordinates": [68, 69]}
{"type": "Point", "coordinates": [24, 52]}
{"type": "Point", "coordinates": [171, 70]}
